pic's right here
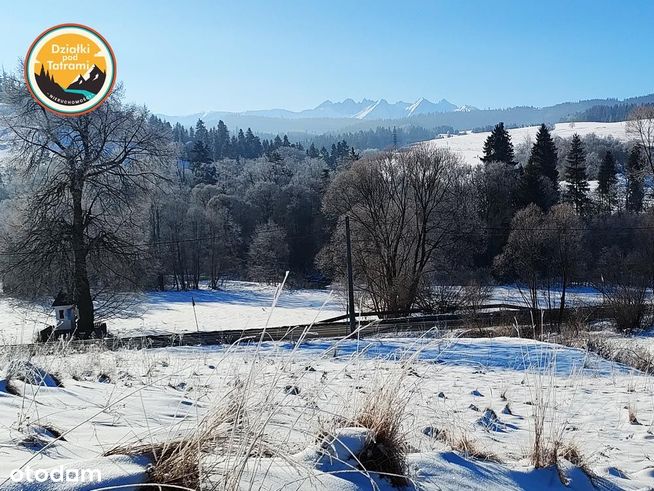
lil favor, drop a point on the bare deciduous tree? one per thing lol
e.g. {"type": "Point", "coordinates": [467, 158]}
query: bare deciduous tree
{"type": "Point", "coordinates": [524, 257]}
{"type": "Point", "coordinates": [406, 208]}
{"type": "Point", "coordinates": [641, 127]}
{"type": "Point", "coordinates": [268, 254]}
{"type": "Point", "coordinates": [565, 236]}
{"type": "Point", "coordinates": [87, 175]}
{"type": "Point", "coordinates": [543, 249]}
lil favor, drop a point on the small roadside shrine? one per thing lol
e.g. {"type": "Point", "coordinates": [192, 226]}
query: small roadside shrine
{"type": "Point", "coordinates": [65, 313]}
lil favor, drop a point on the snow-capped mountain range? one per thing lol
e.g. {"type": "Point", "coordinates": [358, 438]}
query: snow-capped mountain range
{"type": "Point", "coordinates": [380, 109]}
{"type": "Point", "coordinates": [366, 109]}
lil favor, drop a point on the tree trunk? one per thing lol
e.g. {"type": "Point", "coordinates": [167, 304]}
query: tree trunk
{"type": "Point", "coordinates": [562, 304]}
{"type": "Point", "coordinates": [81, 286]}
{"type": "Point", "coordinates": [214, 273]}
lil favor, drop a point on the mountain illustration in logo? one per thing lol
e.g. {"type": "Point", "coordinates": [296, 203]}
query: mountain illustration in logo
{"type": "Point", "coordinates": [91, 81]}
{"type": "Point", "coordinates": [83, 89]}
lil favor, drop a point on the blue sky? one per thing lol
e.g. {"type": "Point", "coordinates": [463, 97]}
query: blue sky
{"type": "Point", "coordinates": [184, 57]}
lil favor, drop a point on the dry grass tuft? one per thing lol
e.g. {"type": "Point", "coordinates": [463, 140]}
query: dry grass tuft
{"type": "Point", "coordinates": [385, 452]}
{"type": "Point", "coordinates": [461, 443]}
{"type": "Point", "coordinates": [571, 453]}
{"type": "Point", "coordinates": [627, 353]}
{"type": "Point", "coordinates": [177, 462]}
{"type": "Point", "coordinates": [466, 446]}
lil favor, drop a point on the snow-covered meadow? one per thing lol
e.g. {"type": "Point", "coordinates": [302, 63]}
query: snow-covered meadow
{"type": "Point", "coordinates": [467, 407]}
{"type": "Point", "coordinates": [289, 395]}
{"type": "Point", "coordinates": [237, 305]}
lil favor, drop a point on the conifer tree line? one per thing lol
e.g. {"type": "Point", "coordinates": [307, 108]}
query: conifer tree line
{"type": "Point", "coordinates": [549, 226]}
{"type": "Point", "coordinates": [382, 138]}
{"type": "Point", "coordinates": [199, 145]}
{"type": "Point", "coordinates": [550, 176]}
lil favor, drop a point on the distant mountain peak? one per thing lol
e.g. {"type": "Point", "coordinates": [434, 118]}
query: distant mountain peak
{"type": "Point", "coordinates": [466, 109]}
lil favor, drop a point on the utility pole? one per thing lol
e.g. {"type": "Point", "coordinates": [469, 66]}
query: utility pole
{"type": "Point", "coordinates": [350, 280]}
{"type": "Point", "coordinates": [197, 326]}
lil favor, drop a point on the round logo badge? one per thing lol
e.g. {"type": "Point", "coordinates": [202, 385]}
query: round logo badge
{"type": "Point", "coordinates": [70, 69]}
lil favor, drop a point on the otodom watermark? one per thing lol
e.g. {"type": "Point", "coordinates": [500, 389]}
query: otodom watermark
{"type": "Point", "coordinates": [59, 474]}
{"type": "Point", "coordinates": [70, 69]}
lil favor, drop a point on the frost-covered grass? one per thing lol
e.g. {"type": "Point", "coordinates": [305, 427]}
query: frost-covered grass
{"type": "Point", "coordinates": [296, 413]}
{"type": "Point", "coordinates": [430, 412]}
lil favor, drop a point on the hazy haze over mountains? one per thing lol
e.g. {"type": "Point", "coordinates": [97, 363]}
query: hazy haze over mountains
{"type": "Point", "coordinates": [364, 109]}
{"type": "Point", "coordinates": [351, 115]}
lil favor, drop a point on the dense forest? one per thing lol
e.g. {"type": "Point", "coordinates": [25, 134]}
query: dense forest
{"type": "Point", "coordinates": [605, 114]}
{"type": "Point", "coordinates": [119, 200]}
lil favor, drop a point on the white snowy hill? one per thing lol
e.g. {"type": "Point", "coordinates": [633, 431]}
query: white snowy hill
{"type": "Point", "coordinates": [470, 145]}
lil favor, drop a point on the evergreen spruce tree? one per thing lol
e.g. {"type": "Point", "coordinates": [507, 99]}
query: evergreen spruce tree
{"type": "Point", "coordinates": [535, 188]}
{"type": "Point", "coordinates": [635, 174]}
{"type": "Point", "coordinates": [498, 147]}
{"type": "Point", "coordinates": [539, 182]}
{"type": "Point", "coordinates": [575, 175]}
{"type": "Point", "coordinates": [544, 155]}
{"type": "Point", "coordinates": [313, 152]}
{"type": "Point", "coordinates": [253, 148]}
{"type": "Point", "coordinates": [606, 183]}
{"type": "Point", "coordinates": [201, 133]}
{"type": "Point", "coordinates": [240, 144]}
{"type": "Point", "coordinates": [201, 163]}
{"type": "Point", "coordinates": [221, 141]}
{"type": "Point", "coordinates": [233, 147]}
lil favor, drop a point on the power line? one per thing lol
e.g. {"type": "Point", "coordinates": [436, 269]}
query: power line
{"type": "Point", "coordinates": [473, 232]}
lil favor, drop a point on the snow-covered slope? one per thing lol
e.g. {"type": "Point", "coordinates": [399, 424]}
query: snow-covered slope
{"type": "Point", "coordinates": [470, 145]}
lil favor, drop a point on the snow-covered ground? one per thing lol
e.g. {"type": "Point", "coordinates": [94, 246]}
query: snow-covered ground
{"type": "Point", "coordinates": [292, 393]}
{"type": "Point", "coordinates": [483, 391]}
{"type": "Point", "coordinates": [470, 145]}
{"type": "Point", "coordinates": [238, 305]}
{"type": "Point", "coordinates": [575, 296]}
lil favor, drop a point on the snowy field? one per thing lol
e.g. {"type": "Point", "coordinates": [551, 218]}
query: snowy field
{"type": "Point", "coordinates": [292, 394]}
{"type": "Point", "coordinates": [470, 145]}
{"type": "Point", "coordinates": [576, 296]}
{"type": "Point", "coordinates": [238, 305]}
